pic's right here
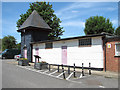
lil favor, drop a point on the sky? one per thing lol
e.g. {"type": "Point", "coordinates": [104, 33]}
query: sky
{"type": "Point", "coordinates": [72, 14]}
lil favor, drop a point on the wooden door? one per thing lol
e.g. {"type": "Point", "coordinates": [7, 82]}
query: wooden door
{"type": "Point", "coordinates": [25, 53]}
{"type": "Point", "coordinates": [64, 55]}
{"type": "Point", "coordinates": [37, 51]}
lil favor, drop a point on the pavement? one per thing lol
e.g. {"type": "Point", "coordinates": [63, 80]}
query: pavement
{"type": "Point", "coordinates": [15, 76]}
{"type": "Point", "coordinates": [106, 74]}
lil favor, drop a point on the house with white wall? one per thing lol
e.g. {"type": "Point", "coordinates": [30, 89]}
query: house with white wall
{"type": "Point", "coordinates": [101, 50]}
{"type": "Point", "coordinates": [78, 50]}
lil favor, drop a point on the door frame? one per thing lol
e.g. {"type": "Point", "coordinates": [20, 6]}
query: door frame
{"type": "Point", "coordinates": [64, 55]}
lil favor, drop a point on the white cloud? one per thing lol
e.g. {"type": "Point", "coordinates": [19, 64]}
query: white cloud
{"type": "Point", "coordinates": [67, 17]}
{"type": "Point", "coordinates": [78, 9]}
{"type": "Point", "coordinates": [75, 11]}
{"type": "Point", "coordinates": [74, 6]}
{"type": "Point", "coordinates": [111, 8]}
{"type": "Point", "coordinates": [115, 22]}
{"type": "Point", "coordinates": [73, 24]}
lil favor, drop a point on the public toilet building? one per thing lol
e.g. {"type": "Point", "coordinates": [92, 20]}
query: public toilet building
{"type": "Point", "coordinates": [94, 49]}
{"type": "Point", "coordinates": [101, 50]}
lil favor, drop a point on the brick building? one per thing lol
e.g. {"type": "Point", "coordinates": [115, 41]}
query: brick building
{"type": "Point", "coordinates": [112, 53]}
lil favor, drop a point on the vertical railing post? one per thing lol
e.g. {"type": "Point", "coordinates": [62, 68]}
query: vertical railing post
{"type": "Point", "coordinates": [68, 69]}
{"type": "Point", "coordinates": [74, 70]}
{"type": "Point", "coordinates": [82, 70]}
{"type": "Point", "coordinates": [38, 59]}
{"type": "Point", "coordinates": [49, 67]}
{"type": "Point", "coordinates": [58, 68]}
{"type": "Point", "coordinates": [35, 63]}
{"type": "Point", "coordinates": [89, 69]}
{"type": "Point", "coordinates": [63, 72]}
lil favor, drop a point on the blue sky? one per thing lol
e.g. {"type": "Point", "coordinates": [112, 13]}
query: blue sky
{"type": "Point", "coordinates": [72, 14]}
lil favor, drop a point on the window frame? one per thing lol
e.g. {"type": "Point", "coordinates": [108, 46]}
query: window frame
{"type": "Point", "coordinates": [83, 43]}
{"type": "Point", "coordinates": [49, 47]}
{"type": "Point", "coordinates": [116, 49]}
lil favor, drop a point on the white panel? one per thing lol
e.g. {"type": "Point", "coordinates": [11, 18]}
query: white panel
{"type": "Point", "coordinates": [75, 54]}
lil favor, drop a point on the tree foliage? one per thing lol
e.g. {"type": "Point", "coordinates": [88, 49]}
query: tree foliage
{"type": "Point", "coordinates": [117, 31]}
{"type": "Point", "coordinates": [97, 25]}
{"type": "Point", "coordinates": [8, 42]}
{"type": "Point", "coordinates": [47, 13]}
{"type": "Point", "coordinates": [18, 46]}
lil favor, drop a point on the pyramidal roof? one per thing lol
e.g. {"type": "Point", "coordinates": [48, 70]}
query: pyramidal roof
{"type": "Point", "coordinates": [34, 20]}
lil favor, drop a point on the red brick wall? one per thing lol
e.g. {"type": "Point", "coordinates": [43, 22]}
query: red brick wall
{"type": "Point", "coordinates": [111, 59]}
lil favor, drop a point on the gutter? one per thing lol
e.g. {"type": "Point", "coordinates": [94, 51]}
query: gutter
{"type": "Point", "coordinates": [105, 41]}
{"type": "Point", "coordinates": [105, 54]}
{"type": "Point", "coordinates": [70, 38]}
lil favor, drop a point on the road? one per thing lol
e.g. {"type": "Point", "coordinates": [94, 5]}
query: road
{"type": "Point", "coordinates": [16, 77]}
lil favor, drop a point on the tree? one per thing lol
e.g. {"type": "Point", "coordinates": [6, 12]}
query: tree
{"type": "Point", "coordinates": [117, 31]}
{"type": "Point", "coordinates": [18, 46]}
{"type": "Point", "coordinates": [8, 42]}
{"type": "Point", "coordinates": [97, 25]}
{"type": "Point", "coordinates": [47, 13]}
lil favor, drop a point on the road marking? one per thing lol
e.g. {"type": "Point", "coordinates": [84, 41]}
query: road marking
{"type": "Point", "coordinates": [46, 71]}
{"type": "Point", "coordinates": [29, 68]}
{"type": "Point", "coordinates": [40, 70]}
{"type": "Point", "coordinates": [58, 77]}
{"type": "Point", "coordinates": [53, 72]}
{"type": "Point", "coordinates": [69, 76]}
{"type": "Point", "coordinates": [73, 81]}
{"type": "Point", "coordinates": [81, 76]}
{"type": "Point", "coordinates": [60, 74]}
{"type": "Point", "coordinates": [101, 86]}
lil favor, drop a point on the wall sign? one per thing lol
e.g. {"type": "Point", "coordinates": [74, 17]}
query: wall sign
{"type": "Point", "coordinates": [108, 45]}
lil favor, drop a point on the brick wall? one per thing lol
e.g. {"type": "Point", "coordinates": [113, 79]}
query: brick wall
{"type": "Point", "coordinates": [111, 60]}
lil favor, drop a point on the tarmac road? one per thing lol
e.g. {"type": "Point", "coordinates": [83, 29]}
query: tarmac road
{"type": "Point", "coordinates": [16, 77]}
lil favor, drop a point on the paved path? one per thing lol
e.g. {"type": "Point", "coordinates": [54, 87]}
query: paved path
{"type": "Point", "coordinates": [17, 77]}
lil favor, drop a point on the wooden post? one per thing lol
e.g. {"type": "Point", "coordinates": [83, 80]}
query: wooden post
{"type": "Point", "coordinates": [68, 69]}
{"type": "Point", "coordinates": [74, 70]}
{"type": "Point", "coordinates": [82, 70]}
{"type": "Point", "coordinates": [89, 69]}
{"type": "Point", "coordinates": [63, 72]}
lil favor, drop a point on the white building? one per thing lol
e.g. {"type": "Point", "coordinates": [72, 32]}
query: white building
{"type": "Point", "coordinates": [101, 50]}
{"type": "Point", "coordinates": [78, 50]}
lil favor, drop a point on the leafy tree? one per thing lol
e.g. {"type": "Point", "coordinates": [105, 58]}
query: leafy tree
{"type": "Point", "coordinates": [18, 46]}
{"type": "Point", "coordinates": [117, 31]}
{"type": "Point", "coordinates": [8, 42]}
{"type": "Point", "coordinates": [47, 13]}
{"type": "Point", "coordinates": [97, 25]}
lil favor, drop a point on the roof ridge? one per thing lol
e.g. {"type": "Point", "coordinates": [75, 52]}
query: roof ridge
{"type": "Point", "coordinates": [34, 20]}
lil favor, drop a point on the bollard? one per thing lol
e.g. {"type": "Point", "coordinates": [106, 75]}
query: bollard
{"type": "Point", "coordinates": [82, 70]}
{"type": "Point", "coordinates": [35, 63]}
{"type": "Point", "coordinates": [89, 69]}
{"type": "Point", "coordinates": [74, 70]}
{"type": "Point", "coordinates": [58, 68]}
{"type": "Point", "coordinates": [68, 69]}
{"type": "Point", "coordinates": [49, 67]}
{"type": "Point", "coordinates": [63, 72]}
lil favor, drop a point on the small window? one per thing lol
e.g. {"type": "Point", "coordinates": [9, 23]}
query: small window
{"type": "Point", "coordinates": [48, 45]}
{"type": "Point", "coordinates": [85, 42]}
{"type": "Point", "coordinates": [117, 50]}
